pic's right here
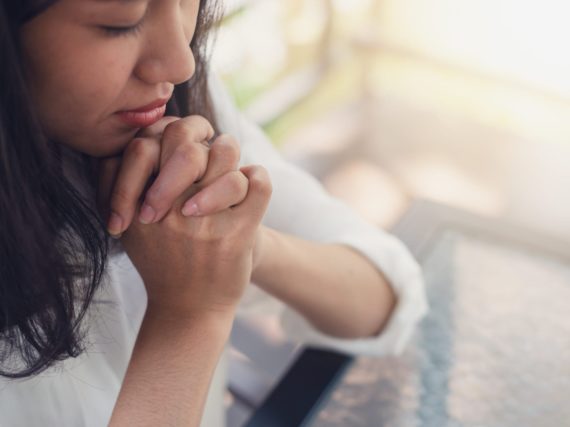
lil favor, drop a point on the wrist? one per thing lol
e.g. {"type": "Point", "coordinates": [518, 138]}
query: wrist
{"type": "Point", "coordinates": [219, 317]}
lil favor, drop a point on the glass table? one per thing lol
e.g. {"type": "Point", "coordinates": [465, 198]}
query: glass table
{"type": "Point", "coordinates": [493, 351]}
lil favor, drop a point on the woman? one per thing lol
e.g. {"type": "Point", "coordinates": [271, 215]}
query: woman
{"type": "Point", "coordinates": [132, 336]}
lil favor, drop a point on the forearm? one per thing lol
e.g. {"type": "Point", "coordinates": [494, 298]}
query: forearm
{"type": "Point", "coordinates": [170, 370]}
{"type": "Point", "coordinates": [337, 289]}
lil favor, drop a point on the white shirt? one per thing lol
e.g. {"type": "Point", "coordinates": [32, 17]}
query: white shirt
{"type": "Point", "coordinates": [82, 392]}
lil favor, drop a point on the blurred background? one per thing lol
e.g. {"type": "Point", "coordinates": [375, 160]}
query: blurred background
{"type": "Point", "coordinates": [465, 102]}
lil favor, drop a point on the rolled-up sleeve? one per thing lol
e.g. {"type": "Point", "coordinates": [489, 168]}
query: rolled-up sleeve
{"type": "Point", "coordinates": [300, 206]}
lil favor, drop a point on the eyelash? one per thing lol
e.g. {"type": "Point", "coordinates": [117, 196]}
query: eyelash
{"type": "Point", "coordinates": [123, 31]}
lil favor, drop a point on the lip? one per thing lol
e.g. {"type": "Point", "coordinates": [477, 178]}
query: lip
{"type": "Point", "coordinates": [146, 115]}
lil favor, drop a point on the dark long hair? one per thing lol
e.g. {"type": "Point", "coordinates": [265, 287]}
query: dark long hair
{"type": "Point", "coordinates": [53, 244]}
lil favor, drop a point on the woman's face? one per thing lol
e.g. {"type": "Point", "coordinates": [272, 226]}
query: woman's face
{"type": "Point", "coordinates": [89, 60]}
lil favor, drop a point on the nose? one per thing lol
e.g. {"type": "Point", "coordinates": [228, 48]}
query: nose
{"type": "Point", "coordinates": [167, 56]}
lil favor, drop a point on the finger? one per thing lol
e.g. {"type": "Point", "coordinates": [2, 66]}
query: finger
{"type": "Point", "coordinates": [107, 171]}
{"type": "Point", "coordinates": [157, 128]}
{"type": "Point", "coordinates": [228, 190]}
{"type": "Point", "coordinates": [192, 129]}
{"type": "Point", "coordinates": [223, 157]}
{"type": "Point", "coordinates": [183, 160]}
{"type": "Point", "coordinates": [139, 162]}
{"type": "Point", "coordinates": [258, 194]}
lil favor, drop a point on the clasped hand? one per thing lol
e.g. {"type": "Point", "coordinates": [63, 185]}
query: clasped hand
{"type": "Point", "coordinates": [186, 214]}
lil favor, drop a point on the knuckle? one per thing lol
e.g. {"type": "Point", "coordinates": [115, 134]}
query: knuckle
{"type": "Point", "coordinates": [187, 127]}
{"type": "Point", "coordinates": [177, 130]}
{"type": "Point", "coordinates": [260, 181]}
{"type": "Point", "coordinates": [226, 148]}
{"type": "Point", "coordinates": [197, 121]}
{"type": "Point", "coordinates": [229, 141]}
{"type": "Point", "coordinates": [141, 148]}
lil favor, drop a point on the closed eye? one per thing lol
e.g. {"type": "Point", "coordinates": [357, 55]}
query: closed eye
{"type": "Point", "coordinates": [122, 31]}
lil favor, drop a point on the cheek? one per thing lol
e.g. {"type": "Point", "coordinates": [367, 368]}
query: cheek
{"type": "Point", "coordinates": [73, 71]}
{"type": "Point", "coordinates": [89, 83]}
{"type": "Point", "coordinates": [76, 96]}
{"type": "Point", "coordinates": [101, 88]}
{"type": "Point", "coordinates": [77, 82]}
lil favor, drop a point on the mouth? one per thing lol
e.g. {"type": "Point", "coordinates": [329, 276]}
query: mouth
{"type": "Point", "coordinates": [144, 116]}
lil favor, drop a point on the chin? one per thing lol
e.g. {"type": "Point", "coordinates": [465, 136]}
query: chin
{"type": "Point", "coordinates": [109, 146]}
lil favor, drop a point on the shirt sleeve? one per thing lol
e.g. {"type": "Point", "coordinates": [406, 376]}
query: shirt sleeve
{"type": "Point", "coordinates": [300, 206]}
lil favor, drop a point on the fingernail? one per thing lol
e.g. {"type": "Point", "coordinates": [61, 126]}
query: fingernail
{"type": "Point", "coordinates": [147, 214]}
{"type": "Point", "coordinates": [190, 209]}
{"type": "Point", "coordinates": [115, 224]}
